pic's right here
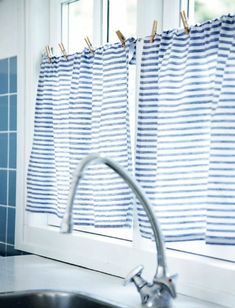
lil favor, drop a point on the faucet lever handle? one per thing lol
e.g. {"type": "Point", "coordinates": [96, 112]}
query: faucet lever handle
{"type": "Point", "coordinates": [169, 283]}
{"type": "Point", "coordinates": [135, 276]}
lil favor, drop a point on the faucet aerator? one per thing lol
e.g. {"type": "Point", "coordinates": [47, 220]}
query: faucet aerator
{"type": "Point", "coordinates": [66, 227]}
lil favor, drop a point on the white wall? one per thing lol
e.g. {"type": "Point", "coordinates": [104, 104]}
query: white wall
{"type": "Point", "coordinates": [8, 26]}
{"type": "Point", "coordinates": [35, 36]}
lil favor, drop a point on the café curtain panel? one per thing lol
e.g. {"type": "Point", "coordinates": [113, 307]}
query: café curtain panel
{"type": "Point", "coordinates": [185, 157]}
{"type": "Point", "coordinates": [82, 108]}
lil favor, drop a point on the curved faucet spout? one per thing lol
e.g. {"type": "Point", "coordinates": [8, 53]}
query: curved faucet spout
{"type": "Point", "coordinates": [161, 276]}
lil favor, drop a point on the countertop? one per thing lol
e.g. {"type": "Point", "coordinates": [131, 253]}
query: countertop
{"type": "Point", "coordinates": [31, 272]}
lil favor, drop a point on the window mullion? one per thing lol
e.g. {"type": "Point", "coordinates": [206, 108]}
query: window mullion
{"type": "Point", "coordinates": [55, 34]}
{"type": "Point", "coordinates": [98, 24]}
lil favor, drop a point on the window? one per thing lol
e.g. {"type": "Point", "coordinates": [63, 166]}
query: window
{"type": "Point", "coordinates": [206, 10]}
{"type": "Point", "coordinates": [121, 15]}
{"type": "Point", "coordinates": [203, 10]}
{"type": "Point", "coordinates": [76, 16]}
{"type": "Point", "coordinates": [91, 250]}
{"type": "Point", "coordinates": [99, 20]}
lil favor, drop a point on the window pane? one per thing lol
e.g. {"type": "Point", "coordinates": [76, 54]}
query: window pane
{"type": "Point", "coordinates": [122, 16]}
{"type": "Point", "coordinates": [210, 9]}
{"type": "Point", "coordinates": [77, 23]}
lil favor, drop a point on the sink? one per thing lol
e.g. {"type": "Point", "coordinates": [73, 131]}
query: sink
{"type": "Point", "coordinates": [51, 299]}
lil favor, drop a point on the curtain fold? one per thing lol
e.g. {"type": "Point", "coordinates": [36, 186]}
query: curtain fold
{"type": "Point", "coordinates": [185, 132]}
{"type": "Point", "coordinates": [82, 108]}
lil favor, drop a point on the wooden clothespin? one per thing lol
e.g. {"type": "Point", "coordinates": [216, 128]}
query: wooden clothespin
{"type": "Point", "coordinates": [121, 38]}
{"type": "Point", "coordinates": [184, 21]}
{"type": "Point", "coordinates": [48, 52]}
{"type": "Point", "coordinates": [61, 45]}
{"type": "Point", "coordinates": [89, 45]}
{"type": "Point", "coordinates": [154, 31]}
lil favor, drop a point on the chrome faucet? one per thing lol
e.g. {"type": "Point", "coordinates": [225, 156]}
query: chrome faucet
{"type": "Point", "coordinates": [160, 292]}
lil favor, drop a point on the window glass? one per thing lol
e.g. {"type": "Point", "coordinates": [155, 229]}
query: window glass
{"type": "Point", "coordinates": [122, 16]}
{"type": "Point", "coordinates": [77, 23]}
{"type": "Point", "coordinates": [210, 9]}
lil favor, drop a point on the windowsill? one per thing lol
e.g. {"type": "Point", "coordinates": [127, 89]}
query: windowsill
{"type": "Point", "coordinates": [44, 273]}
{"type": "Point", "coordinates": [200, 248]}
{"type": "Point", "coordinates": [204, 277]}
{"type": "Point", "coordinates": [199, 277]}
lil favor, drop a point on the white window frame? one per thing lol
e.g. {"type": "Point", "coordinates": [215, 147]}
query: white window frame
{"type": "Point", "coordinates": [199, 276]}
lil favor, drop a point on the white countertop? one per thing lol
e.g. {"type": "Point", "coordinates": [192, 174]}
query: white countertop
{"type": "Point", "coordinates": [32, 272]}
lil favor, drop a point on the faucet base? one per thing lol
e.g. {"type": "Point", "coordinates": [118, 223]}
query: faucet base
{"type": "Point", "coordinates": [155, 296]}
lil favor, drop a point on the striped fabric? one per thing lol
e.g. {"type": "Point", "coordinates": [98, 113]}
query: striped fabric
{"type": "Point", "coordinates": [82, 108]}
{"type": "Point", "coordinates": [185, 157]}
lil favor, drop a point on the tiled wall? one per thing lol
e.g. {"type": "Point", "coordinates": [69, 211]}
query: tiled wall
{"type": "Point", "coordinates": [8, 139]}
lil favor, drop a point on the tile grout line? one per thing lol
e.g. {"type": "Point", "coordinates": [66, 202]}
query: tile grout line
{"type": "Point", "coordinates": [8, 153]}
{"type": "Point", "coordinates": [7, 131]}
{"type": "Point", "coordinates": [8, 93]}
{"type": "Point", "coordinates": [6, 169]}
{"type": "Point", "coordinates": [10, 206]}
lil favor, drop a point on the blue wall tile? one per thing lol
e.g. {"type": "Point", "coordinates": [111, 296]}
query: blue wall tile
{"type": "Point", "coordinates": [11, 226]}
{"type": "Point", "coordinates": [8, 141]}
{"type": "Point", "coordinates": [3, 187]}
{"type": "Point", "coordinates": [3, 214]}
{"type": "Point", "coordinates": [3, 112]}
{"type": "Point", "coordinates": [13, 75]}
{"type": "Point", "coordinates": [12, 153]}
{"type": "Point", "coordinates": [13, 112]}
{"type": "Point", "coordinates": [3, 76]}
{"type": "Point", "coordinates": [12, 188]}
{"type": "Point", "coordinates": [3, 150]}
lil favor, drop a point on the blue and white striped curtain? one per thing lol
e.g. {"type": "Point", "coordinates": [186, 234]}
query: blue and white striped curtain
{"type": "Point", "coordinates": [186, 132]}
{"type": "Point", "coordinates": [82, 108]}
